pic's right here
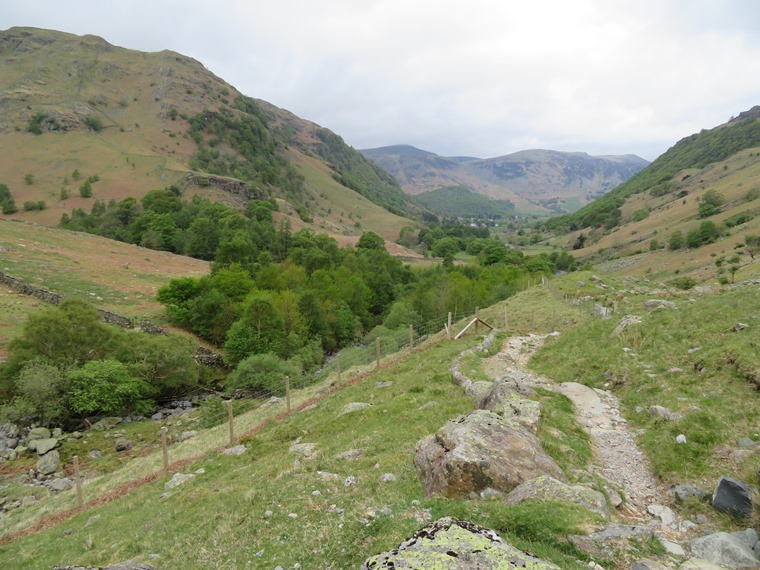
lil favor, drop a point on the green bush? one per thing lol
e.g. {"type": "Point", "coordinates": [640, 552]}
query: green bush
{"type": "Point", "coordinates": [640, 214]}
{"type": "Point", "coordinates": [263, 375]}
{"type": "Point", "coordinates": [85, 190]}
{"type": "Point", "coordinates": [683, 283]}
{"type": "Point", "coordinates": [106, 387]}
{"type": "Point", "coordinates": [41, 396]}
{"type": "Point", "coordinates": [94, 123]}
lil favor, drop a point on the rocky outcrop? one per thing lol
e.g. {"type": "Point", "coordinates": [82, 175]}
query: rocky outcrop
{"type": "Point", "coordinates": [503, 400]}
{"type": "Point", "coordinates": [480, 451]}
{"type": "Point", "coordinates": [726, 549]}
{"type": "Point", "coordinates": [49, 462]}
{"type": "Point", "coordinates": [548, 489]}
{"type": "Point", "coordinates": [456, 545]}
{"type": "Point", "coordinates": [624, 323]}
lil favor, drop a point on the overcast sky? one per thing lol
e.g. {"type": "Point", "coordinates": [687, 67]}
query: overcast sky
{"type": "Point", "coordinates": [469, 77]}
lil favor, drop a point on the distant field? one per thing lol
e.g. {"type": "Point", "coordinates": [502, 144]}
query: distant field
{"type": "Point", "coordinates": [120, 277]}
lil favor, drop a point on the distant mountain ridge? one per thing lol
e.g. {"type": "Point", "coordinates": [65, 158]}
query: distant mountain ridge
{"type": "Point", "coordinates": [534, 180]}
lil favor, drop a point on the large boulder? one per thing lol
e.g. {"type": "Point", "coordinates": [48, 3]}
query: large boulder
{"type": "Point", "coordinates": [450, 544]}
{"type": "Point", "coordinates": [733, 497]}
{"type": "Point", "coordinates": [723, 548]}
{"type": "Point", "coordinates": [38, 433]}
{"type": "Point", "coordinates": [480, 451]}
{"type": "Point", "coordinates": [49, 462]}
{"type": "Point", "coordinates": [502, 399]}
{"type": "Point", "coordinates": [42, 446]}
{"type": "Point", "coordinates": [549, 489]}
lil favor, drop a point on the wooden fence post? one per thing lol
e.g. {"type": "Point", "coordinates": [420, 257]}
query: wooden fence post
{"type": "Point", "coordinates": [165, 448]}
{"type": "Point", "coordinates": [449, 329]}
{"type": "Point", "coordinates": [78, 481]}
{"type": "Point", "coordinates": [287, 392]}
{"type": "Point", "coordinates": [232, 424]}
{"type": "Point", "coordinates": [477, 320]}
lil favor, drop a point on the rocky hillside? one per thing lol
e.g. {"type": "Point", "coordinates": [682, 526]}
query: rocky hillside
{"type": "Point", "coordinates": [78, 111]}
{"type": "Point", "coordinates": [535, 180]}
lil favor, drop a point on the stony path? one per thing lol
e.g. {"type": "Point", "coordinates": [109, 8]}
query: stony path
{"type": "Point", "coordinates": [617, 457]}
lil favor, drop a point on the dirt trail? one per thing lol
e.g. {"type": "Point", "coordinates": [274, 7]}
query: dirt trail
{"type": "Point", "coordinates": [617, 458]}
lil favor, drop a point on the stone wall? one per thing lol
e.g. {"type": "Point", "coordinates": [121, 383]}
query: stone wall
{"type": "Point", "coordinates": [203, 356]}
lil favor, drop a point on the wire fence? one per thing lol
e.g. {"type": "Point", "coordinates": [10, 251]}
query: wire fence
{"type": "Point", "coordinates": [189, 431]}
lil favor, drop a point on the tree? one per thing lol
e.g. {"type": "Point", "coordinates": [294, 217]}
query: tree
{"type": "Point", "coordinates": [262, 375]}
{"type": "Point", "coordinates": [105, 387]}
{"type": "Point", "coordinates": [676, 241]}
{"type": "Point", "coordinates": [94, 123]}
{"type": "Point", "coordinates": [85, 190]}
{"type": "Point", "coordinates": [710, 203]}
{"type": "Point", "coordinates": [68, 334]}
{"type": "Point", "coordinates": [41, 395]}
{"type": "Point", "coordinates": [29, 179]}
{"type": "Point", "coordinates": [370, 240]}
{"type": "Point", "coordinates": [261, 329]}
{"type": "Point", "coordinates": [752, 245]}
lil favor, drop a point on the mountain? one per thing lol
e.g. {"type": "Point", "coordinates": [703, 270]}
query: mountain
{"type": "Point", "coordinates": [127, 122]}
{"type": "Point", "coordinates": [534, 180]}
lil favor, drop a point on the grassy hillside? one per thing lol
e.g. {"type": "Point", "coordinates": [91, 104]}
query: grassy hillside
{"type": "Point", "coordinates": [74, 108]}
{"type": "Point", "coordinates": [119, 277]}
{"type": "Point", "coordinates": [461, 202]}
{"type": "Point", "coordinates": [693, 152]}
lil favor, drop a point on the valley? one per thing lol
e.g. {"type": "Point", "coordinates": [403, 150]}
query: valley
{"type": "Point", "coordinates": [326, 352]}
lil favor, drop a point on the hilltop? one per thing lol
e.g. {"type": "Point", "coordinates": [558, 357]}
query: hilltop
{"type": "Point", "coordinates": [78, 109]}
{"type": "Point", "coordinates": [536, 181]}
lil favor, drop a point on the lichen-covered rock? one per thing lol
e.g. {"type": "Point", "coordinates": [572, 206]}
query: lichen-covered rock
{"type": "Point", "coordinates": [449, 544]}
{"type": "Point", "coordinates": [502, 399]}
{"type": "Point", "coordinates": [49, 462]}
{"type": "Point", "coordinates": [477, 451]}
{"type": "Point", "coordinates": [352, 407]}
{"type": "Point", "coordinates": [547, 488]}
{"type": "Point", "coordinates": [42, 446]}
{"type": "Point", "coordinates": [38, 433]}
{"type": "Point", "coordinates": [624, 323]}
{"type": "Point", "coordinates": [612, 540]}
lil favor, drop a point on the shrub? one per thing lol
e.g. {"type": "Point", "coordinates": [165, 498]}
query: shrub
{"type": "Point", "coordinates": [94, 123]}
{"type": "Point", "coordinates": [105, 387]}
{"type": "Point", "coordinates": [263, 375]}
{"type": "Point", "coordinates": [683, 283]}
{"type": "Point", "coordinates": [29, 179]}
{"type": "Point", "coordinates": [41, 396]}
{"type": "Point", "coordinates": [640, 214]}
{"type": "Point", "coordinates": [85, 190]}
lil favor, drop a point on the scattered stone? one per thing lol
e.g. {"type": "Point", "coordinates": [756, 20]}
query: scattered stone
{"type": "Point", "coordinates": [746, 443]}
{"type": "Point", "coordinates": [675, 370]}
{"type": "Point", "coordinates": [316, 493]}
{"type": "Point", "coordinates": [665, 514]}
{"type": "Point", "coordinates": [694, 349]}
{"type": "Point", "coordinates": [672, 548]}
{"type": "Point", "coordinates": [62, 484]}
{"type": "Point", "coordinates": [185, 435]}
{"type": "Point", "coordinates": [700, 564]}
{"type": "Point", "coordinates": [95, 453]}
{"type": "Point", "coordinates": [723, 548]}
{"type": "Point", "coordinates": [607, 543]}
{"type": "Point", "coordinates": [653, 304]}
{"type": "Point", "coordinates": [680, 438]}
{"type": "Point", "coordinates": [546, 488]}
{"type": "Point", "coordinates": [353, 407]}
{"type": "Point", "coordinates": [305, 450]}
{"type": "Point", "coordinates": [351, 454]}
{"type": "Point", "coordinates": [430, 404]}
{"type": "Point", "coordinates": [684, 492]}
{"type": "Point", "coordinates": [613, 497]}
{"type": "Point", "coordinates": [123, 444]}
{"type": "Point", "coordinates": [739, 327]}
{"type": "Point", "coordinates": [450, 543]}
{"type": "Point", "coordinates": [624, 323]}
{"type": "Point", "coordinates": [664, 412]}
{"type": "Point", "coordinates": [477, 451]}
{"type": "Point", "coordinates": [383, 384]}
{"type": "Point", "coordinates": [387, 478]}
{"type": "Point", "coordinates": [177, 480]}
{"type": "Point", "coordinates": [327, 476]}
{"type": "Point", "coordinates": [350, 480]}
{"type": "Point", "coordinates": [687, 526]}
{"type": "Point", "coordinates": [106, 424]}
{"type": "Point", "coordinates": [236, 450]}
{"type": "Point", "coordinates": [733, 497]}
{"type": "Point", "coordinates": [49, 462]}
{"type": "Point", "coordinates": [92, 519]}
{"type": "Point", "coordinates": [646, 564]}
